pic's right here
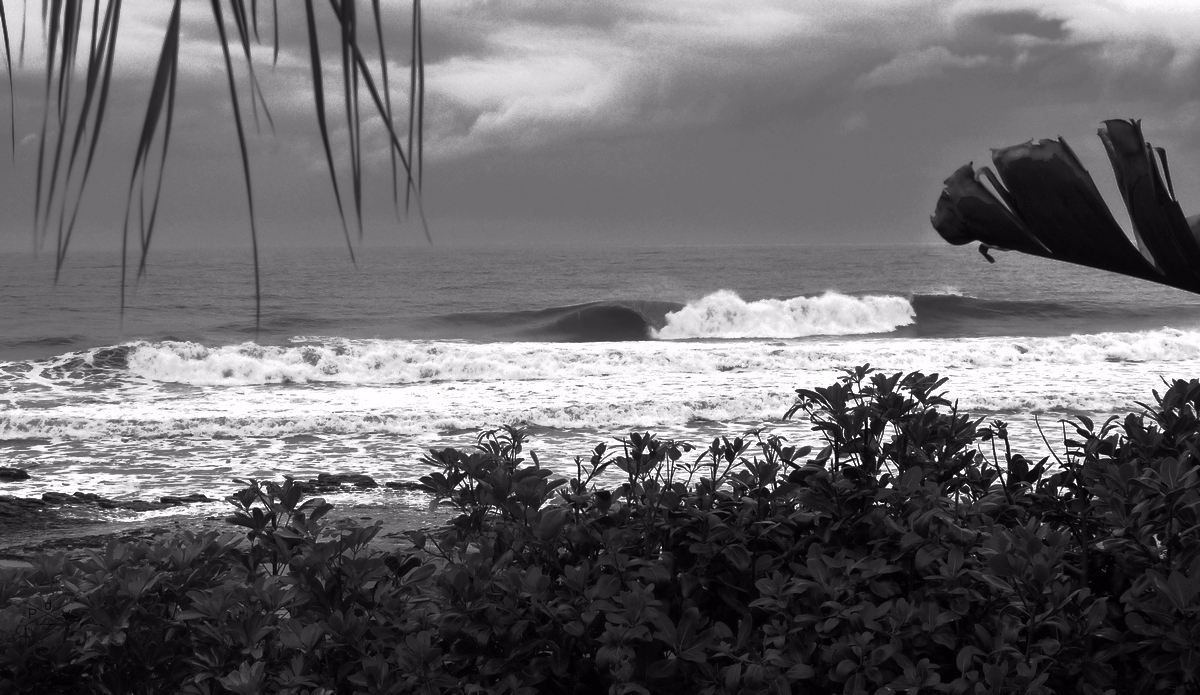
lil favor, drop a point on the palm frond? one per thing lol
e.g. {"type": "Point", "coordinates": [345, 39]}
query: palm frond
{"type": "Point", "coordinates": [1049, 206]}
{"type": "Point", "coordinates": [237, 120]}
{"type": "Point", "coordinates": [24, 17]}
{"type": "Point", "coordinates": [51, 23]}
{"type": "Point", "coordinates": [369, 81]}
{"type": "Point", "coordinates": [319, 102]}
{"type": "Point", "coordinates": [12, 96]}
{"type": "Point", "coordinates": [74, 114]}
{"type": "Point", "coordinates": [350, 96]}
{"type": "Point", "coordinates": [412, 92]}
{"type": "Point", "coordinates": [162, 94]}
{"type": "Point", "coordinates": [419, 153]}
{"type": "Point", "coordinates": [70, 42]}
{"type": "Point", "coordinates": [387, 99]}
{"type": "Point", "coordinates": [99, 72]}
{"type": "Point", "coordinates": [240, 21]}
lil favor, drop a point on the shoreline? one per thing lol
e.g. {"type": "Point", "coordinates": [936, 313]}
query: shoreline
{"type": "Point", "coordinates": [45, 528]}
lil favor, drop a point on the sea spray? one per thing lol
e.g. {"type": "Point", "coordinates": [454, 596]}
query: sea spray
{"type": "Point", "coordinates": [345, 361]}
{"type": "Point", "coordinates": [724, 314]}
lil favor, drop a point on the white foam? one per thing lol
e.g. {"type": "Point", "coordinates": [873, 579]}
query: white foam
{"type": "Point", "coordinates": [724, 314]}
{"type": "Point", "coordinates": [375, 405]}
{"type": "Point", "coordinates": [384, 362]}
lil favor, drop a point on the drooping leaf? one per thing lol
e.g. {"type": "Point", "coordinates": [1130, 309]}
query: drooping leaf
{"type": "Point", "coordinates": [369, 82]}
{"type": "Point", "coordinates": [12, 96]}
{"type": "Point", "coordinates": [24, 17]}
{"type": "Point", "coordinates": [387, 99]}
{"type": "Point", "coordinates": [319, 101]}
{"type": "Point", "coordinates": [50, 20]}
{"type": "Point", "coordinates": [241, 23]}
{"type": "Point", "coordinates": [63, 169]}
{"type": "Point", "coordinates": [72, 17]}
{"type": "Point", "coordinates": [237, 120]}
{"type": "Point", "coordinates": [99, 75]}
{"type": "Point", "coordinates": [347, 17]}
{"type": "Point", "coordinates": [162, 95]}
{"type": "Point", "coordinates": [148, 226]}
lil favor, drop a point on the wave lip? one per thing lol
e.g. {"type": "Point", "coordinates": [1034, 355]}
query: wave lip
{"type": "Point", "coordinates": [723, 314]}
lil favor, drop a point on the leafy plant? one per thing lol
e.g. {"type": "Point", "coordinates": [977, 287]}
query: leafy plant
{"type": "Point", "coordinates": [912, 552]}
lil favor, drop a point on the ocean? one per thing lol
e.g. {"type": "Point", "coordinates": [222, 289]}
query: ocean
{"type": "Point", "coordinates": [363, 369]}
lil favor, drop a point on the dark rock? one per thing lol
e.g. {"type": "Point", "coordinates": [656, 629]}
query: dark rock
{"type": "Point", "coordinates": [92, 498]}
{"type": "Point", "coordinates": [13, 474]}
{"type": "Point", "coordinates": [405, 485]}
{"type": "Point", "coordinates": [333, 482]}
{"type": "Point", "coordinates": [135, 505]}
{"type": "Point", "coordinates": [59, 498]}
{"type": "Point", "coordinates": [16, 506]}
{"type": "Point", "coordinates": [194, 497]}
{"type": "Point", "coordinates": [356, 479]}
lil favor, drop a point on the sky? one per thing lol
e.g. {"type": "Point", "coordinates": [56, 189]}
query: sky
{"type": "Point", "coordinates": [632, 121]}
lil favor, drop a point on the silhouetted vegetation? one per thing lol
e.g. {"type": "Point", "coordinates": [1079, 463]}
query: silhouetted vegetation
{"type": "Point", "coordinates": [913, 552]}
{"type": "Point", "coordinates": [74, 109]}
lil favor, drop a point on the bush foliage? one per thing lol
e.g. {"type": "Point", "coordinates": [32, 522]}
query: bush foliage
{"type": "Point", "coordinates": [910, 552]}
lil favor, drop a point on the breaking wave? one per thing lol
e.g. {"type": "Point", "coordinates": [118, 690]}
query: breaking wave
{"type": "Point", "coordinates": [346, 361]}
{"type": "Point", "coordinates": [724, 314]}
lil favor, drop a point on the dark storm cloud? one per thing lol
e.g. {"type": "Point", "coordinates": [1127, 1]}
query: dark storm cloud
{"type": "Point", "coordinates": [690, 120]}
{"type": "Point", "coordinates": [1022, 23]}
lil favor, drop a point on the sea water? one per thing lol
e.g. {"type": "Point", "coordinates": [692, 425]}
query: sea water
{"type": "Point", "coordinates": [364, 368]}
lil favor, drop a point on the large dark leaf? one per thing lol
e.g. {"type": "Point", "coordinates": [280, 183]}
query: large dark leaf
{"type": "Point", "coordinates": [1046, 204]}
{"type": "Point", "coordinates": [1157, 219]}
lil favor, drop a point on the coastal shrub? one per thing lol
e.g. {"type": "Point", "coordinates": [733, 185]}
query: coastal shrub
{"type": "Point", "coordinates": [908, 549]}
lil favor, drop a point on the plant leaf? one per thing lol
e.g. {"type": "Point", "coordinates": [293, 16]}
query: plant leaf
{"type": "Point", "coordinates": [12, 96]}
{"type": "Point", "coordinates": [319, 101]}
{"type": "Point", "coordinates": [237, 120]}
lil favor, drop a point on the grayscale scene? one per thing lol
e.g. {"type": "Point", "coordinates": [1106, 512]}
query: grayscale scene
{"type": "Point", "coordinates": [770, 346]}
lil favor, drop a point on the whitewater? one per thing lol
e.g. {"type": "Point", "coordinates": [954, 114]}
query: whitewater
{"type": "Point", "coordinates": [577, 357]}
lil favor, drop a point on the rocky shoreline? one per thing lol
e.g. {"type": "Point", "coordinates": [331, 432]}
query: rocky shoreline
{"type": "Point", "coordinates": [75, 523]}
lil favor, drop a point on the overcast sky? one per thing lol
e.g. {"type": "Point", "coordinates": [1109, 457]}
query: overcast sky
{"type": "Point", "coordinates": [616, 121]}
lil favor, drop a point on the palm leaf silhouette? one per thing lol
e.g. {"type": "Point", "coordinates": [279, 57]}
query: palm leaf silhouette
{"type": "Point", "coordinates": [1041, 201]}
{"type": "Point", "coordinates": [12, 97]}
{"type": "Point", "coordinates": [83, 37]}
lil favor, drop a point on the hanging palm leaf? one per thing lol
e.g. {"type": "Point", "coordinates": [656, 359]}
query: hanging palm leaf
{"type": "Point", "coordinates": [74, 112]}
{"type": "Point", "coordinates": [12, 97]}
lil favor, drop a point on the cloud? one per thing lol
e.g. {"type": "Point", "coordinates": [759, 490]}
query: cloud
{"type": "Point", "coordinates": [524, 74]}
{"type": "Point", "coordinates": [521, 74]}
{"type": "Point", "coordinates": [923, 64]}
{"type": "Point", "coordinates": [538, 72]}
{"type": "Point", "coordinates": [1022, 23]}
{"type": "Point", "coordinates": [854, 122]}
